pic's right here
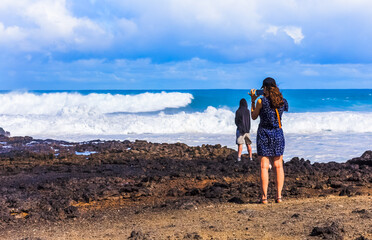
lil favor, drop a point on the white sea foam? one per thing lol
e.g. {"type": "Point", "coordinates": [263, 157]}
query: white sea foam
{"type": "Point", "coordinates": [358, 122]}
{"type": "Point", "coordinates": [86, 153]}
{"type": "Point", "coordinates": [63, 103]}
{"type": "Point", "coordinates": [211, 121]}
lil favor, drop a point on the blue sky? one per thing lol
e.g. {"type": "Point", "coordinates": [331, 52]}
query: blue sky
{"type": "Point", "coordinates": [178, 44]}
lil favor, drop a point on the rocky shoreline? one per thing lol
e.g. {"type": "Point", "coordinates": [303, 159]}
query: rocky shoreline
{"type": "Point", "coordinates": [51, 181]}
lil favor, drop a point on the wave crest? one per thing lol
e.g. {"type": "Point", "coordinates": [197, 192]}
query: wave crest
{"type": "Point", "coordinates": [77, 104]}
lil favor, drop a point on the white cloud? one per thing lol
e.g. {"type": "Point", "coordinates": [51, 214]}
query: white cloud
{"type": "Point", "coordinates": [295, 33]}
{"type": "Point", "coordinates": [272, 30]}
{"type": "Point", "coordinates": [46, 24]}
{"type": "Point", "coordinates": [10, 34]}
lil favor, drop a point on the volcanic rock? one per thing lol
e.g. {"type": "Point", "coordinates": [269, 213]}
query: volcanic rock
{"type": "Point", "coordinates": [138, 235]}
{"type": "Point", "coordinates": [348, 191]}
{"type": "Point", "coordinates": [365, 159]}
{"type": "Point", "coordinates": [236, 200]}
{"type": "Point", "coordinates": [193, 236]}
{"type": "Point", "coordinates": [48, 180]}
{"type": "Point", "coordinates": [333, 231]}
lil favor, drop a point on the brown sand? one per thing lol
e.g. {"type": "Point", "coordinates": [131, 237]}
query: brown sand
{"type": "Point", "coordinates": [292, 219]}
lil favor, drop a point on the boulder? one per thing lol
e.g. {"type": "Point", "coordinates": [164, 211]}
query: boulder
{"type": "Point", "coordinates": [365, 159]}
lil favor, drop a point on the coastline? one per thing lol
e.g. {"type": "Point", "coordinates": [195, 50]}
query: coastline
{"type": "Point", "coordinates": [57, 183]}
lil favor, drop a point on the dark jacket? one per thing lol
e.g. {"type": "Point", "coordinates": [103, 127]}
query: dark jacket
{"type": "Point", "coordinates": [243, 117]}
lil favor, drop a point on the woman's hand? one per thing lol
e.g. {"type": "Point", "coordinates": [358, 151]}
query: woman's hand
{"type": "Point", "coordinates": [255, 108]}
{"type": "Point", "coordinates": [253, 95]}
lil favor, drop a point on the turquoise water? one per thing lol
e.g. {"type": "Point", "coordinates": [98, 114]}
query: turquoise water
{"type": "Point", "coordinates": [299, 100]}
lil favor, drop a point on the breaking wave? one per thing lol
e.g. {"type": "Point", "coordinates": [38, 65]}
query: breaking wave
{"type": "Point", "coordinates": [212, 120]}
{"type": "Point", "coordinates": [64, 103]}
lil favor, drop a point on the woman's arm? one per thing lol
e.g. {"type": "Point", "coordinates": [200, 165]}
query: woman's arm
{"type": "Point", "coordinates": [255, 110]}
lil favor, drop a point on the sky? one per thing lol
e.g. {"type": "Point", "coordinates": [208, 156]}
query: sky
{"type": "Point", "coordinates": [178, 44]}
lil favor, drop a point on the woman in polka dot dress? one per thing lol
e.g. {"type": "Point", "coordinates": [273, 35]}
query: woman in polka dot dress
{"type": "Point", "coordinates": [270, 138]}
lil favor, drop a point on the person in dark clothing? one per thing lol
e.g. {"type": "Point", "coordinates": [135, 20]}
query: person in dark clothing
{"type": "Point", "coordinates": [243, 124]}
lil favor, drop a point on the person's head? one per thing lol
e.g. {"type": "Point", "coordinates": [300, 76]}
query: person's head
{"type": "Point", "coordinates": [271, 91]}
{"type": "Point", "coordinates": [243, 103]}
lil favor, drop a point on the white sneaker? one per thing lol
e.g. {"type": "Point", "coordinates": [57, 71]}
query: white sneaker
{"type": "Point", "coordinates": [270, 166]}
{"type": "Point", "coordinates": [239, 159]}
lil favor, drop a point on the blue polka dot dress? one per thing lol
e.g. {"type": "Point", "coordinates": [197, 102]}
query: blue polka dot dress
{"type": "Point", "coordinates": [270, 138]}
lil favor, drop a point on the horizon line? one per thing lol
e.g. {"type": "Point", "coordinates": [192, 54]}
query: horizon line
{"type": "Point", "coordinates": [175, 89]}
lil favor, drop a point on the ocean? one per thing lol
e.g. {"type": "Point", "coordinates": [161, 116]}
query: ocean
{"type": "Point", "coordinates": [321, 125]}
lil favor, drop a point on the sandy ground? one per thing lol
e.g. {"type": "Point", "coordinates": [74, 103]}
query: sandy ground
{"type": "Point", "coordinates": [293, 219]}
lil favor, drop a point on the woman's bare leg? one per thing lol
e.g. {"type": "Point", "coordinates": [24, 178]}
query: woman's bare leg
{"type": "Point", "coordinates": [264, 175]}
{"type": "Point", "coordinates": [279, 175]}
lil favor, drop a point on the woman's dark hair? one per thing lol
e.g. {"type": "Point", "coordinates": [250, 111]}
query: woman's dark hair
{"type": "Point", "coordinates": [275, 96]}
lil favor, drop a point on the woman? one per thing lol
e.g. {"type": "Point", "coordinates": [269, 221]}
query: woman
{"type": "Point", "coordinates": [270, 138]}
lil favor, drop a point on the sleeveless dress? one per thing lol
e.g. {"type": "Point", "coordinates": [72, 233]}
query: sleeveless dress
{"type": "Point", "coordinates": [270, 138]}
